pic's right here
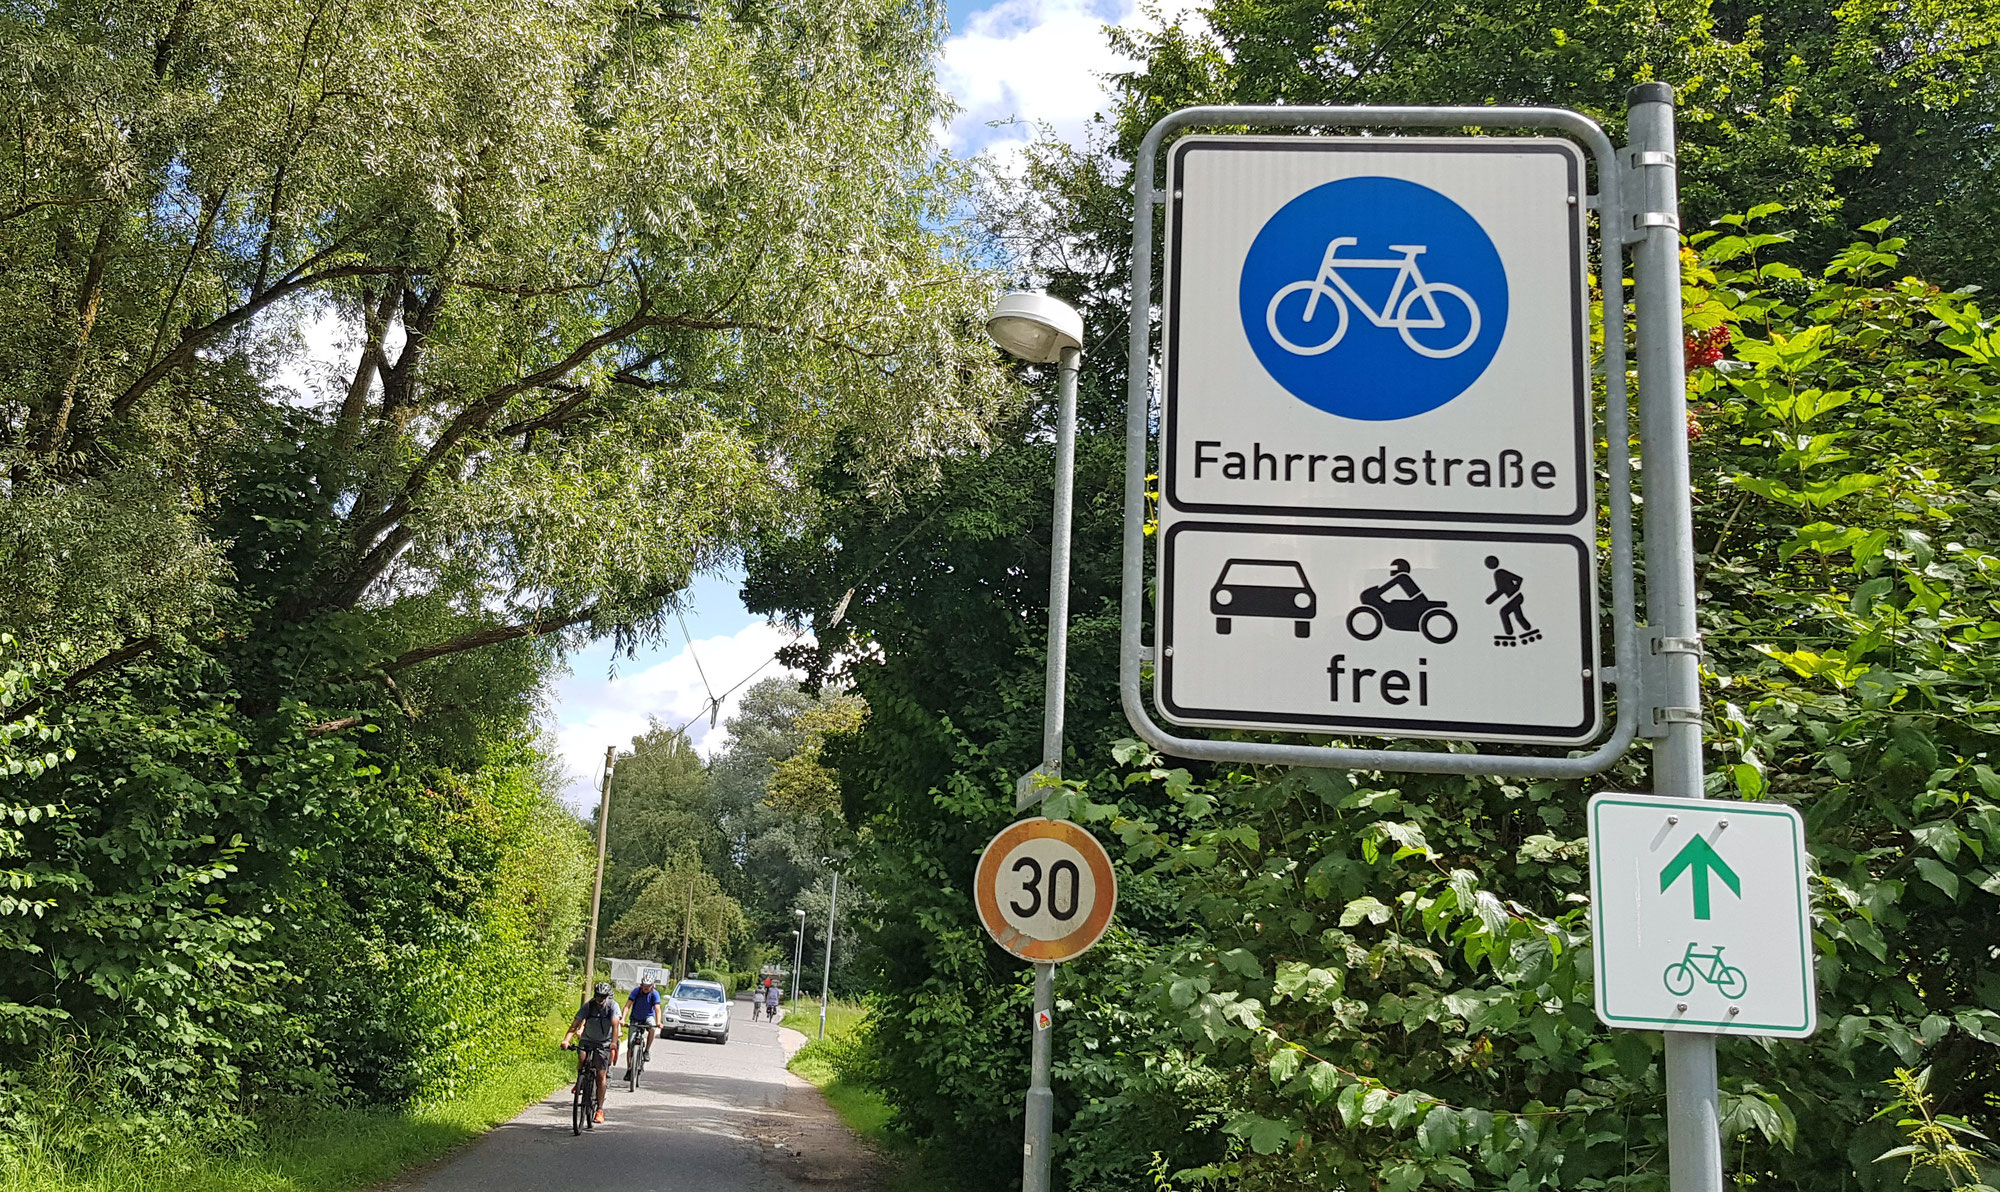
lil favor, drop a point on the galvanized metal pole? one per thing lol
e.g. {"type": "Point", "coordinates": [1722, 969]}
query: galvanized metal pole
{"type": "Point", "coordinates": [597, 890]}
{"type": "Point", "coordinates": [1042, 1098]}
{"type": "Point", "coordinates": [1054, 687]}
{"type": "Point", "coordinates": [1694, 1139]}
{"type": "Point", "coordinates": [826, 973]}
{"type": "Point", "coordinates": [798, 956]}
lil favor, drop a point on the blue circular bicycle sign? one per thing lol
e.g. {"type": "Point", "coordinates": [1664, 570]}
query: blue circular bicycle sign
{"type": "Point", "coordinates": [1373, 298]}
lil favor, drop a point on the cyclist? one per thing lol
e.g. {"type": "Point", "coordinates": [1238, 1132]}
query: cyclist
{"type": "Point", "coordinates": [642, 1013]}
{"type": "Point", "coordinates": [771, 1001]}
{"type": "Point", "coordinates": [595, 1032]}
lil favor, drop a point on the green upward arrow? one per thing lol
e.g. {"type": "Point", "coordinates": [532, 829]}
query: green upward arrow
{"type": "Point", "coordinates": [1698, 857]}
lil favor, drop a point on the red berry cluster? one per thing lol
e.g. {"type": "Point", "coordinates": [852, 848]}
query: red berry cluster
{"type": "Point", "coordinates": [1704, 348]}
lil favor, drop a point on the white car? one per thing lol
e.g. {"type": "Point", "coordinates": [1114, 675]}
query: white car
{"type": "Point", "coordinates": [697, 1008]}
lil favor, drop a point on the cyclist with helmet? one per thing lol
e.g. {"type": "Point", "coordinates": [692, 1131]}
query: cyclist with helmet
{"type": "Point", "coordinates": [642, 1011]}
{"type": "Point", "coordinates": [595, 1031]}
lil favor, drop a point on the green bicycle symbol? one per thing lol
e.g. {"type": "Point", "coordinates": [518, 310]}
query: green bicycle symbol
{"type": "Point", "coordinates": [1680, 976]}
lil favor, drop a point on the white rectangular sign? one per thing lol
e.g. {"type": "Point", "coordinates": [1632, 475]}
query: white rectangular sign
{"type": "Point", "coordinates": [1437, 633]}
{"type": "Point", "coordinates": [1377, 328]}
{"type": "Point", "coordinates": [1376, 408]}
{"type": "Point", "coordinates": [1699, 916]}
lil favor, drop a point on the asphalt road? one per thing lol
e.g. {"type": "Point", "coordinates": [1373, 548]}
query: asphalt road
{"type": "Point", "coordinates": [706, 1118]}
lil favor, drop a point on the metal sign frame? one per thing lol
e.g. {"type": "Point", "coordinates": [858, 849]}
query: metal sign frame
{"type": "Point", "coordinates": [1615, 233]}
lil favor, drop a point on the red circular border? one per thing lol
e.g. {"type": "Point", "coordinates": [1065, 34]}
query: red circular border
{"type": "Point", "coordinates": [986, 890]}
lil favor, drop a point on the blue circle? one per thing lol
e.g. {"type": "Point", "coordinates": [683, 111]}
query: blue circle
{"type": "Point", "coordinates": [1426, 324]}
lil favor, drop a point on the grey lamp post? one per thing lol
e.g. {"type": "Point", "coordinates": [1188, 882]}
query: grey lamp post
{"type": "Point", "coordinates": [1043, 330]}
{"type": "Point", "coordinates": [826, 974]}
{"type": "Point", "coordinates": [798, 954]}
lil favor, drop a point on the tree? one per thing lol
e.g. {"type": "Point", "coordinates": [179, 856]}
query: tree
{"type": "Point", "coordinates": [1846, 113]}
{"type": "Point", "coordinates": [611, 281]}
{"type": "Point", "coordinates": [679, 903]}
{"type": "Point", "coordinates": [621, 278]}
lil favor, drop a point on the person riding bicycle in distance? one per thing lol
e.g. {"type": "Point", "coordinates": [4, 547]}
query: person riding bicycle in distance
{"type": "Point", "coordinates": [642, 1013]}
{"type": "Point", "coordinates": [594, 1030]}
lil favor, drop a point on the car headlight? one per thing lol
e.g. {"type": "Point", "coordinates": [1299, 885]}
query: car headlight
{"type": "Point", "coordinates": [1303, 599]}
{"type": "Point", "coordinates": [1223, 596]}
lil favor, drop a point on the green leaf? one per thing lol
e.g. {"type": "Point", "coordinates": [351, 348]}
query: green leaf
{"type": "Point", "coordinates": [1939, 875]}
{"type": "Point", "coordinates": [1366, 907]}
{"type": "Point", "coordinates": [1266, 1136]}
{"type": "Point", "coordinates": [1285, 1064]}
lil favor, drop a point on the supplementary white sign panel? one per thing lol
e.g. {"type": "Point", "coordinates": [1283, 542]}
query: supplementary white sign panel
{"type": "Point", "coordinates": [1460, 633]}
{"type": "Point", "coordinates": [1699, 916]}
{"type": "Point", "coordinates": [1377, 327]}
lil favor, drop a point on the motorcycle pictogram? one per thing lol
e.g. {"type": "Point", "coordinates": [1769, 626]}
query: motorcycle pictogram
{"type": "Point", "coordinates": [1410, 612]}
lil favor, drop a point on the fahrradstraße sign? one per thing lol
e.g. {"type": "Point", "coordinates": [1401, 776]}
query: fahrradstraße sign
{"type": "Point", "coordinates": [1377, 511]}
{"type": "Point", "coordinates": [1377, 328]}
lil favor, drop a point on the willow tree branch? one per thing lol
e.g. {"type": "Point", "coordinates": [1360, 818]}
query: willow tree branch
{"type": "Point", "coordinates": [183, 353]}
{"type": "Point", "coordinates": [116, 658]}
{"type": "Point", "coordinates": [486, 637]}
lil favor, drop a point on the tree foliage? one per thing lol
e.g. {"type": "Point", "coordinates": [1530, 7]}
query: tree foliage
{"type": "Point", "coordinates": [1844, 112]}
{"type": "Point", "coordinates": [1334, 981]}
{"type": "Point", "coordinates": [361, 358]}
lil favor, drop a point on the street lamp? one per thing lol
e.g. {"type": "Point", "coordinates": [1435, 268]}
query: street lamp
{"type": "Point", "coordinates": [826, 974]}
{"type": "Point", "coordinates": [1042, 330]}
{"type": "Point", "coordinates": [798, 953]}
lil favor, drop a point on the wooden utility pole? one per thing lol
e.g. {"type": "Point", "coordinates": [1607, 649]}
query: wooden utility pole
{"type": "Point", "coordinates": [687, 923]}
{"type": "Point", "coordinates": [597, 891]}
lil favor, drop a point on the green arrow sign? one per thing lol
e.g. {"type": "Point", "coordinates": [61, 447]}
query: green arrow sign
{"type": "Point", "coordinates": [1698, 858]}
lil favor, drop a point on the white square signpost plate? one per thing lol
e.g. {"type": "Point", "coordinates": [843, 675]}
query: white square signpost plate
{"type": "Point", "coordinates": [1699, 916]}
{"type": "Point", "coordinates": [1376, 511]}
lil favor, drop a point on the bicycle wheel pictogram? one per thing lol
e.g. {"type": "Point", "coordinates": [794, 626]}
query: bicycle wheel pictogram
{"type": "Point", "coordinates": [1316, 293]}
{"type": "Point", "coordinates": [1456, 310]}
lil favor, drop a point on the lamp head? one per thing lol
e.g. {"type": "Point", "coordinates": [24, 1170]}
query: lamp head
{"type": "Point", "coordinates": [1034, 326]}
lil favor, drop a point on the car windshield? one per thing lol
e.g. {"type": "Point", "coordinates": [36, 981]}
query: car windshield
{"type": "Point", "coordinates": [698, 993]}
{"type": "Point", "coordinates": [1264, 575]}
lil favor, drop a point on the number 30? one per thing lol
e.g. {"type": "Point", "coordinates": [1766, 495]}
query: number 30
{"type": "Point", "coordinates": [1032, 886]}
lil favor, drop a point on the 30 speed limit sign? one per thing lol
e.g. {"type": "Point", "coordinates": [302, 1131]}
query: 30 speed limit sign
{"type": "Point", "coordinates": [1045, 890]}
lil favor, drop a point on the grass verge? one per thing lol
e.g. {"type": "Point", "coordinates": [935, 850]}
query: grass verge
{"type": "Point", "coordinates": [859, 1106]}
{"type": "Point", "coordinates": [326, 1151]}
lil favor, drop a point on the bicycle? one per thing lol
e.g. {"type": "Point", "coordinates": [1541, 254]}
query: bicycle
{"type": "Point", "coordinates": [1680, 976]}
{"type": "Point", "coordinates": [583, 1094]}
{"type": "Point", "coordinates": [639, 1052]}
{"type": "Point", "coordinates": [1409, 289]}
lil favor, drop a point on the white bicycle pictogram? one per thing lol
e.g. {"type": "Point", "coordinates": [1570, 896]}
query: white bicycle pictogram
{"type": "Point", "coordinates": [1410, 290]}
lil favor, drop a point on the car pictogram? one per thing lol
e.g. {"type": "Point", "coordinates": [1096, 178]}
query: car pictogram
{"type": "Point", "coordinates": [1263, 588]}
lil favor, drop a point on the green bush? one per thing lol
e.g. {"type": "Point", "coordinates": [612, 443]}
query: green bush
{"type": "Point", "coordinates": [731, 982]}
{"type": "Point", "coordinates": [1340, 981]}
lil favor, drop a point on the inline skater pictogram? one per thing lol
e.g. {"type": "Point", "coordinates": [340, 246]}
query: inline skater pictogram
{"type": "Point", "coordinates": [1515, 629]}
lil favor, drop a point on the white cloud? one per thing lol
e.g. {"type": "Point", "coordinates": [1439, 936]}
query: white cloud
{"type": "Point", "coordinates": [1037, 61]}
{"type": "Point", "coordinates": [597, 712]}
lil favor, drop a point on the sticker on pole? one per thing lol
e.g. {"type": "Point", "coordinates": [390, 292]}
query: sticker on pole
{"type": "Point", "coordinates": [1045, 890]}
{"type": "Point", "coordinates": [1699, 916]}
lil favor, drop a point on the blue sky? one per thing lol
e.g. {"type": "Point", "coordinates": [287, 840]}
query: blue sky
{"type": "Point", "coordinates": [1024, 61]}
